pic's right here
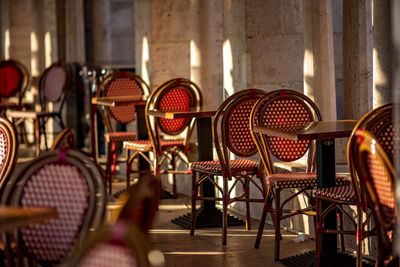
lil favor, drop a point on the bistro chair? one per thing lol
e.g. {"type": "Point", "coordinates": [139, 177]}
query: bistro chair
{"type": "Point", "coordinates": [125, 243]}
{"type": "Point", "coordinates": [379, 123]}
{"type": "Point", "coordinates": [375, 171]}
{"type": "Point", "coordinates": [294, 109]}
{"type": "Point", "coordinates": [14, 80]}
{"type": "Point", "coordinates": [63, 180]}
{"type": "Point", "coordinates": [231, 134]}
{"type": "Point", "coordinates": [175, 94]}
{"type": "Point", "coordinates": [8, 151]}
{"type": "Point", "coordinates": [54, 86]}
{"type": "Point", "coordinates": [119, 86]}
{"type": "Point", "coordinates": [65, 139]}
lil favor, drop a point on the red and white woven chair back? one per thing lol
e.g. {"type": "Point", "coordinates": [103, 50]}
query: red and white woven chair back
{"type": "Point", "coordinates": [12, 78]}
{"type": "Point", "coordinates": [63, 183]}
{"type": "Point", "coordinates": [175, 99]}
{"type": "Point", "coordinates": [286, 107]}
{"type": "Point", "coordinates": [376, 173]}
{"type": "Point", "coordinates": [8, 150]}
{"type": "Point", "coordinates": [54, 81]}
{"type": "Point", "coordinates": [233, 117]}
{"type": "Point", "coordinates": [123, 83]}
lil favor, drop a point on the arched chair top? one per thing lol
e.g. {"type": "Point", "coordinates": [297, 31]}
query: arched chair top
{"type": "Point", "coordinates": [65, 139]}
{"type": "Point", "coordinates": [231, 127]}
{"type": "Point", "coordinates": [177, 94]}
{"type": "Point", "coordinates": [288, 107]}
{"type": "Point", "coordinates": [54, 84]}
{"type": "Point", "coordinates": [55, 179]}
{"type": "Point", "coordinates": [121, 84]}
{"type": "Point", "coordinates": [376, 173]}
{"type": "Point", "coordinates": [14, 78]}
{"type": "Point", "coordinates": [8, 151]}
{"type": "Point", "coordinates": [379, 123]}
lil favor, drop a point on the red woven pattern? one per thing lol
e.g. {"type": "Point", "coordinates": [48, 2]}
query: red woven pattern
{"type": "Point", "coordinates": [123, 87]}
{"type": "Point", "coordinates": [382, 185]}
{"type": "Point", "coordinates": [292, 180]}
{"type": "Point", "coordinates": [239, 136]}
{"type": "Point", "coordinates": [237, 165]}
{"type": "Point", "coordinates": [286, 111]}
{"type": "Point", "coordinates": [108, 254]}
{"type": "Point", "coordinates": [9, 81]}
{"type": "Point", "coordinates": [120, 136]}
{"type": "Point", "coordinates": [337, 193]}
{"type": "Point", "coordinates": [54, 83]}
{"type": "Point", "coordinates": [3, 148]}
{"type": "Point", "coordinates": [62, 186]}
{"type": "Point", "coordinates": [143, 144]}
{"type": "Point", "coordinates": [385, 138]}
{"type": "Point", "coordinates": [174, 100]}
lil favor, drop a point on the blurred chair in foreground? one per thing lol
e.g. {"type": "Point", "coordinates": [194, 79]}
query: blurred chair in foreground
{"type": "Point", "coordinates": [8, 151]}
{"type": "Point", "coordinates": [62, 179]}
{"type": "Point", "coordinates": [125, 243]}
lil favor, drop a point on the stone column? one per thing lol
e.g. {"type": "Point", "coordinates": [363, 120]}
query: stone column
{"type": "Point", "coordinates": [142, 26]}
{"type": "Point", "coordinates": [21, 21]}
{"type": "Point", "coordinates": [323, 90]}
{"type": "Point", "coordinates": [5, 29]}
{"type": "Point", "coordinates": [382, 61]}
{"type": "Point", "coordinates": [101, 32]}
{"type": "Point", "coordinates": [357, 59]}
{"type": "Point", "coordinates": [75, 31]}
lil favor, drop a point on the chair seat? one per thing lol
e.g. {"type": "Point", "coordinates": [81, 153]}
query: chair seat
{"type": "Point", "coordinates": [120, 136]}
{"type": "Point", "coordinates": [147, 145]}
{"type": "Point", "coordinates": [298, 180]}
{"type": "Point", "coordinates": [344, 193]}
{"type": "Point", "coordinates": [238, 165]}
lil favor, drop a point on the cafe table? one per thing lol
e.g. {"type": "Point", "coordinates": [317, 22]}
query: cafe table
{"type": "Point", "coordinates": [325, 133]}
{"type": "Point", "coordinates": [208, 215]}
{"type": "Point", "coordinates": [12, 217]}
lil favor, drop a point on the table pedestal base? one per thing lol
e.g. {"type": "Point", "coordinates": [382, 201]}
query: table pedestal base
{"type": "Point", "coordinates": [207, 217]}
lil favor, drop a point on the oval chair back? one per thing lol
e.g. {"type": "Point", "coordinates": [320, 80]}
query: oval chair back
{"type": "Point", "coordinates": [14, 79]}
{"type": "Point", "coordinates": [8, 151]}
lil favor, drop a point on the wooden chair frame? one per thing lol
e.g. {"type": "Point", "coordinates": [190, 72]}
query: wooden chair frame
{"type": "Point", "coordinates": [9, 162]}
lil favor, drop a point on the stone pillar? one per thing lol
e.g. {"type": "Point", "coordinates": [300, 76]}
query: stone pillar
{"type": "Point", "coordinates": [211, 38]}
{"type": "Point", "coordinates": [75, 31]}
{"type": "Point", "coordinates": [142, 26]}
{"type": "Point", "coordinates": [5, 29]}
{"type": "Point", "coordinates": [382, 61]}
{"type": "Point", "coordinates": [357, 59]}
{"type": "Point", "coordinates": [21, 21]}
{"type": "Point", "coordinates": [323, 90]}
{"type": "Point", "coordinates": [101, 32]}
{"type": "Point", "coordinates": [234, 46]}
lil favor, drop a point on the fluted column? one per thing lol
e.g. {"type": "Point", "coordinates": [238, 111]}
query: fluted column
{"type": "Point", "coordinates": [101, 32]}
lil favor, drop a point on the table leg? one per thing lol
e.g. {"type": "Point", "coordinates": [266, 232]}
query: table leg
{"type": "Point", "coordinates": [142, 133]}
{"type": "Point", "coordinates": [326, 178]}
{"type": "Point", "coordinates": [208, 215]}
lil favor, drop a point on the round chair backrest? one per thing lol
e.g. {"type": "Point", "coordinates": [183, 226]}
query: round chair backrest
{"type": "Point", "coordinates": [232, 121]}
{"type": "Point", "coordinates": [294, 109]}
{"type": "Point", "coordinates": [56, 180]}
{"type": "Point", "coordinates": [8, 150]}
{"type": "Point", "coordinates": [175, 95]}
{"type": "Point", "coordinates": [54, 83]}
{"type": "Point", "coordinates": [14, 78]}
{"type": "Point", "coordinates": [120, 84]}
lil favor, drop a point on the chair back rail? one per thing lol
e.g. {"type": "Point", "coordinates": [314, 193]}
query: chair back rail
{"type": "Point", "coordinates": [8, 151]}
{"type": "Point", "coordinates": [376, 173]}
{"type": "Point", "coordinates": [284, 107]}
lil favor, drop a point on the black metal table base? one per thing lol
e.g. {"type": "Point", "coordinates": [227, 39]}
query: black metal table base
{"type": "Point", "coordinates": [209, 217]}
{"type": "Point", "coordinates": [327, 260]}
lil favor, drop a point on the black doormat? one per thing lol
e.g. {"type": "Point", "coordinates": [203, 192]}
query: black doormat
{"type": "Point", "coordinates": [327, 260]}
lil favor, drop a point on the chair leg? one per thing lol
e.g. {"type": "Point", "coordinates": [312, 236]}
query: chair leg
{"type": "Point", "coordinates": [247, 192]}
{"type": "Point", "coordinates": [339, 216]}
{"type": "Point", "coordinates": [194, 195]}
{"type": "Point", "coordinates": [318, 233]}
{"type": "Point", "coordinates": [277, 223]}
{"type": "Point", "coordinates": [262, 220]}
{"type": "Point", "coordinates": [108, 166]}
{"type": "Point", "coordinates": [360, 235]}
{"type": "Point", "coordinates": [128, 167]}
{"type": "Point", "coordinates": [173, 167]}
{"type": "Point", "coordinates": [37, 136]}
{"type": "Point", "coordinates": [225, 202]}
